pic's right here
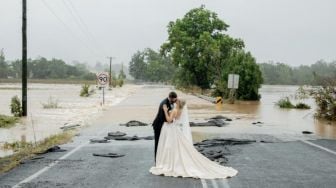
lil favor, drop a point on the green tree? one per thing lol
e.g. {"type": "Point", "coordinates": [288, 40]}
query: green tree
{"type": "Point", "coordinates": [315, 74]}
{"type": "Point", "coordinates": [122, 74]}
{"type": "Point", "coordinates": [270, 73]}
{"type": "Point", "coordinates": [199, 47]}
{"type": "Point", "coordinates": [250, 76]}
{"type": "Point", "coordinates": [16, 69]}
{"type": "Point", "coordinates": [138, 66]}
{"type": "Point", "coordinates": [42, 68]}
{"type": "Point", "coordinates": [3, 66]}
{"type": "Point", "coordinates": [159, 68]}
{"type": "Point", "coordinates": [149, 65]}
{"type": "Point", "coordinates": [205, 55]}
{"type": "Point", "coordinates": [303, 75]}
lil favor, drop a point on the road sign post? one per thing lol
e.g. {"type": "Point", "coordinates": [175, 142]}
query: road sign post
{"type": "Point", "coordinates": [103, 81]}
{"type": "Point", "coordinates": [233, 84]}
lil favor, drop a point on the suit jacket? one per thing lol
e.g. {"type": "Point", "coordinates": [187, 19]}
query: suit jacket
{"type": "Point", "coordinates": [160, 117]}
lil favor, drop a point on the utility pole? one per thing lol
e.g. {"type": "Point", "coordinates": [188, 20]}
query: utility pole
{"type": "Point", "coordinates": [24, 57]}
{"type": "Point", "coordinates": [110, 81]}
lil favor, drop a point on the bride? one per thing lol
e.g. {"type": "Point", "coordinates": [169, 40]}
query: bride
{"type": "Point", "coordinates": [176, 155]}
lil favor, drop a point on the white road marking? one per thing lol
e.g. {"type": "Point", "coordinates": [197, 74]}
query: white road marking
{"type": "Point", "coordinates": [318, 146]}
{"type": "Point", "coordinates": [37, 174]}
{"type": "Point", "coordinates": [214, 183]}
{"type": "Point", "coordinates": [225, 183]}
{"type": "Point", "coordinates": [204, 185]}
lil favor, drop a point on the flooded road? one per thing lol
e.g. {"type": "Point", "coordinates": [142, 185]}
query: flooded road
{"type": "Point", "coordinates": [296, 162]}
{"type": "Point", "coordinates": [78, 110]}
{"type": "Point", "coordinates": [275, 121]}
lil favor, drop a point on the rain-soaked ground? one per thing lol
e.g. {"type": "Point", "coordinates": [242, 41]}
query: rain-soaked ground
{"type": "Point", "coordinates": [281, 156]}
{"type": "Point", "coordinates": [72, 110]}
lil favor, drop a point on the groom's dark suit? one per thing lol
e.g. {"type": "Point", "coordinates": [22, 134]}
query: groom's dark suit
{"type": "Point", "coordinates": [158, 122]}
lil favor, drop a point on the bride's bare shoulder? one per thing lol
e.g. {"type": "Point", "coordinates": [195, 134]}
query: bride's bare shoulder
{"type": "Point", "coordinates": [177, 113]}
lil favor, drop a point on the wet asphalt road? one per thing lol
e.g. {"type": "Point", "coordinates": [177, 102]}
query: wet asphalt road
{"type": "Point", "coordinates": [304, 163]}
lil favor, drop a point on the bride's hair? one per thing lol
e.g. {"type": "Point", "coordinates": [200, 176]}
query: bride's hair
{"type": "Point", "coordinates": [181, 103]}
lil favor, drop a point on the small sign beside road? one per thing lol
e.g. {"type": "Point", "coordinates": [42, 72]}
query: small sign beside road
{"type": "Point", "coordinates": [233, 81]}
{"type": "Point", "coordinates": [103, 79]}
{"type": "Point", "coordinates": [233, 84]}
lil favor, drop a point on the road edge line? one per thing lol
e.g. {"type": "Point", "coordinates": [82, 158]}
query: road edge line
{"type": "Point", "coordinates": [318, 146]}
{"type": "Point", "coordinates": [38, 173]}
{"type": "Point", "coordinates": [204, 184]}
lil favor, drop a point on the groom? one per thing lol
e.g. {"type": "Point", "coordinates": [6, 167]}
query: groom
{"type": "Point", "coordinates": [161, 118]}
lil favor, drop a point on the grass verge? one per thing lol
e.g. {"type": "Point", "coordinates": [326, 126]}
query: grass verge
{"type": "Point", "coordinates": [50, 81]}
{"type": "Point", "coordinates": [8, 121]}
{"type": "Point", "coordinates": [26, 150]}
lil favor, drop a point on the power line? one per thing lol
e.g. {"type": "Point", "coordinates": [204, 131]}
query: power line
{"type": "Point", "coordinates": [67, 27]}
{"type": "Point", "coordinates": [85, 25]}
{"type": "Point", "coordinates": [80, 23]}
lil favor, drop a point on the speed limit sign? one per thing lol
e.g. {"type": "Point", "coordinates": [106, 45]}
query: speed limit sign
{"type": "Point", "coordinates": [103, 79]}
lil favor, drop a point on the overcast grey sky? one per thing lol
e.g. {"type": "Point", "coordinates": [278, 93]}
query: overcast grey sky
{"type": "Point", "coordinates": [289, 31]}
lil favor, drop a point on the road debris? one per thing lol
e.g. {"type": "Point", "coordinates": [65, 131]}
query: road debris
{"type": "Point", "coordinates": [110, 155]}
{"type": "Point", "coordinates": [134, 123]}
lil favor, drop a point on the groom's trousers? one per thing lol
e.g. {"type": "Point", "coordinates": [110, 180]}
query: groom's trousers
{"type": "Point", "coordinates": [157, 131]}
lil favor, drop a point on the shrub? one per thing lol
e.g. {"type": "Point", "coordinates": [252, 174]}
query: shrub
{"type": "Point", "coordinates": [85, 90]}
{"type": "Point", "coordinates": [114, 82]}
{"type": "Point", "coordinates": [15, 106]}
{"type": "Point", "coordinates": [120, 82]}
{"type": "Point", "coordinates": [325, 98]}
{"type": "Point", "coordinates": [302, 106]}
{"type": "Point", "coordinates": [285, 103]}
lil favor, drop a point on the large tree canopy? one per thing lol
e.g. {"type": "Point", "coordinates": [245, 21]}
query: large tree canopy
{"type": "Point", "coordinates": [205, 55]}
{"type": "Point", "coordinates": [196, 43]}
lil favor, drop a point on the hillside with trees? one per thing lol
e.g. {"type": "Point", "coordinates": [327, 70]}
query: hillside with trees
{"type": "Point", "coordinates": [42, 68]}
{"type": "Point", "coordinates": [283, 74]}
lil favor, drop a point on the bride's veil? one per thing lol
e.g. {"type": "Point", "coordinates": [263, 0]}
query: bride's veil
{"type": "Point", "coordinates": [184, 119]}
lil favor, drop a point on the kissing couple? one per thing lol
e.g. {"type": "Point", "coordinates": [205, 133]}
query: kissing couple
{"type": "Point", "coordinates": [174, 153]}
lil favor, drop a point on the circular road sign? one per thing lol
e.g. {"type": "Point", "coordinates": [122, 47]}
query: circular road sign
{"type": "Point", "coordinates": [103, 78]}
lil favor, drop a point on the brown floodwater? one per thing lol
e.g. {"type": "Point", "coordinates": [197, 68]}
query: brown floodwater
{"type": "Point", "coordinates": [274, 119]}
{"type": "Point", "coordinates": [143, 107]}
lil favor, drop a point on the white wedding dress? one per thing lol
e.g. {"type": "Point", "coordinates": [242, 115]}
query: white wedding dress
{"type": "Point", "coordinates": [177, 156]}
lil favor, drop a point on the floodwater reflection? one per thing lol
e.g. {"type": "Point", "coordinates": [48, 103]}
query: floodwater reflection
{"type": "Point", "coordinates": [275, 120]}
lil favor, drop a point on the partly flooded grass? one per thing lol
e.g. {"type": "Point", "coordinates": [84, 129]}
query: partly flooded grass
{"type": "Point", "coordinates": [50, 81]}
{"type": "Point", "coordinates": [7, 121]}
{"type": "Point", "coordinates": [28, 150]}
